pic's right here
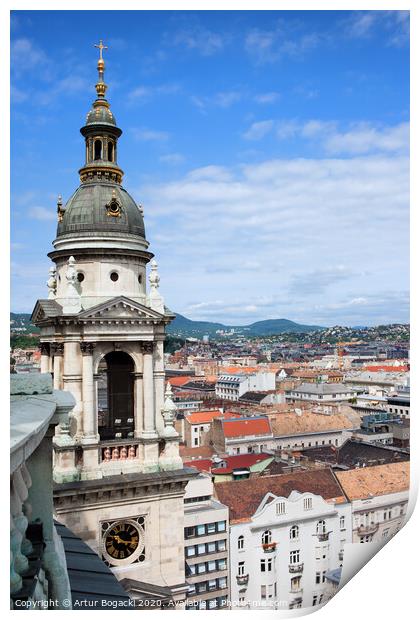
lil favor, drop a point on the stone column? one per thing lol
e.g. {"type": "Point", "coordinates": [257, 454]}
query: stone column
{"type": "Point", "coordinates": [72, 381]}
{"type": "Point", "coordinates": [138, 404]}
{"type": "Point", "coordinates": [45, 356]}
{"type": "Point", "coordinates": [58, 350]}
{"type": "Point", "coordinates": [149, 427]}
{"type": "Point", "coordinates": [159, 380]}
{"type": "Point", "coordinates": [89, 423]}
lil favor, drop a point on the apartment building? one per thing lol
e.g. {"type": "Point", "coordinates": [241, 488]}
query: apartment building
{"type": "Point", "coordinates": [231, 386]}
{"type": "Point", "coordinates": [286, 532]}
{"type": "Point", "coordinates": [379, 498]}
{"type": "Point", "coordinates": [206, 546]}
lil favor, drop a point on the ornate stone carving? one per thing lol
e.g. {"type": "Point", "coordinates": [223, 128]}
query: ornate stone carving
{"type": "Point", "coordinates": [44, 347]}
{"type": "Point", "coordinates": [52, 283]}
{"type": "Point", "coordinates": [57, 348]}
{"type": "Point", "coordinates": [71, 302]}
{"type": "Point", "coordinates": [87, 348]}
{"type": "Point", "coordinates": [146, 347]}
{"type": "Point", "coordinates": [169, 413]}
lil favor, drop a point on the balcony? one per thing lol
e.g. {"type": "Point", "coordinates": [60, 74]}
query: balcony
{"type": "Point", "coordinates": [323, 536]}
{"type": "Point", "coordinates": [242, 580]}
{"type": "Point", "coordinates": [269, 547]}
{"type": "Point", "coordinates": [298, 592]}
{"type": "Point", "coordinates": [341, 556]}
{"type": "Point", "coordinates": [296, 568]}
{"type": "Point", "coordinates": [364, 530]}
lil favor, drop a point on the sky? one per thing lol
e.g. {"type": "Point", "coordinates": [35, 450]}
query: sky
{"type": "Point", "coordinates": [269, 150]}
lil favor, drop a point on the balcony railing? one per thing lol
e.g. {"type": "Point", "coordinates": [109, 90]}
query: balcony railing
{"type": "Point", "coordinates": [298, 592]}
{"type": "Point", "coordinates": [323, 536]}
{"type": "Point", "coordinates": [296, 568]}
{"type": "Point", "coordinates": [372, 528]}
{"type": "Point", "coordinates": [242, 580]}
{"type": "Point", "coordinates": [269, 547]}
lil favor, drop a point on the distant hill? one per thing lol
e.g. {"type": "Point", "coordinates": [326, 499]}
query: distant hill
{"type": "Point", "coordinates": [181, 326]}
{"type": "Point", "coordinates": [186, 327]}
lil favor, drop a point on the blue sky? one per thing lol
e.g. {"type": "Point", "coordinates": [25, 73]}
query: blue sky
{"type": "Point", "coordinates": [268, 148]}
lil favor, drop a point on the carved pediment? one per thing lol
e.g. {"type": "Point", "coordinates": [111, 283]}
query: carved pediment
{"type": "Point", "coordinates": [45, 309]}
{"type": "Point", "coordinates": [120, 308]}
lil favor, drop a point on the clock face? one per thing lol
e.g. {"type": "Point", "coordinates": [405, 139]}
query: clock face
{"type": "Point", "coordinates": [121, 540]}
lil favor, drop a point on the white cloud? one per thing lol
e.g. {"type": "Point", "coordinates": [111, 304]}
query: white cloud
{"type": "Point", "coordinates": [266, 235]}
{"type": "Point", "coordinates": [267, 46]}
{"type": "Point", "coordinates": [172, 158]}
{"type": "Point", "coordinates": [266, 98]}
{"type": "Point", "coordinates": [205, 42]}
{"type": "Point", "coordinates": [143, 134]}
{"type": "Point", "coordinates": [365, 139]}
{"type": "Point", "coordinates": [41, 213]}
{"type": "Point", "coordinates": [258, 130]}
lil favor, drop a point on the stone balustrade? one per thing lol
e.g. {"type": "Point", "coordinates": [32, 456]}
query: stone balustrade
{"type": "Point", "coordinates": [38, 571]}
{"type": "Point", "coordinates": [119, 451]}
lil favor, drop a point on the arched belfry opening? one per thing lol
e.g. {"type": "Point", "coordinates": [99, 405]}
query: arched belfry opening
{"type": "Point", "coordinates": [98, 149]}
{"type": "Point", "coordinates": [116, 396]}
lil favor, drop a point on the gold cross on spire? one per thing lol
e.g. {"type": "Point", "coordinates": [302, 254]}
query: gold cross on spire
{"type": "Point", "coordinates": [101, 47]}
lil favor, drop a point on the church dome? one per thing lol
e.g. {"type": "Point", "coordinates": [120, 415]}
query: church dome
{"type": "Point", "coordinates": [100, 115]}
{"type": "Point", "coordinates": [101, 209]}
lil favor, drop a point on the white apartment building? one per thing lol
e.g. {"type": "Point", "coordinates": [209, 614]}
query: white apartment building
{"type": "Point", "coordinates": [320, 393]}
{"type": "Point", "coordinates": [206, 546]}
{"type": "Point", "coordinates": [282, 543]}
{"type": "Point", "coordinates": [232, 386]}
{"type": "Point", "coordinates": [379, 498]}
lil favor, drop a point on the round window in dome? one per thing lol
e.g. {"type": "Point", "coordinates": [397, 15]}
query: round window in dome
{"type": "Point", "coordinates": [80, 276]}
{"type": "Point", "coordinates": [114, 276]}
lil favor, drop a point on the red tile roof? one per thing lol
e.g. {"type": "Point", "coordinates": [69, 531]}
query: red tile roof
{"type": "Point", "coordinates": [238, 461]}
{"type": "Point", "coordinates": [244, 496]}
{"type": "Point", "coordinates": [243, 427]}
{"type": "Point", "coordinates": [176, 381]}
{"type": "Point", "coordinates": [205, 417]}
{"type": "Point", "coordinates": [384, 368]}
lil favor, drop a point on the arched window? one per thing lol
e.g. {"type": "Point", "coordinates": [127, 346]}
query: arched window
{"type": "Point", "coordinates": [294, 532]}
{"type": "Point", "coordinates": [110, 151]}
{"type": "Point", "coordinates": [266, 537]}
{"type": "Point", "coordinates": [321, 527]}
{"type": "Point", "coordinates": [98, 149]}
{"type": "Point", "coordinates": [116, 396]}
{"type": "Point", "coordinates": [241, 541]}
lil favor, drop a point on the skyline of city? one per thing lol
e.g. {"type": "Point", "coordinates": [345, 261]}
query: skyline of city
{"type": "Point", "coordinates": [265, 111]}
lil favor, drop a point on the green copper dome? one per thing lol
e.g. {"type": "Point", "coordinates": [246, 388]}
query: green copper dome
{"type": "Point", "coordinates": [96, 209]}
{"type": "Point", "coordinates": [100, 115]}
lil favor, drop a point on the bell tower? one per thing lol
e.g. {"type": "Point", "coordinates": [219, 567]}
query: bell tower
{"type": "Point", "coordinates": [119, 477]}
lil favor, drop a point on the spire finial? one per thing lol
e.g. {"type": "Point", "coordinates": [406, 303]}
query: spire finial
{"type": "Point", "coordinates": [101, 86]}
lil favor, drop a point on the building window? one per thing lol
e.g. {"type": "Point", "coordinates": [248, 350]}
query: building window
{"type": "Point", "coordinates": [241, 541]}
{"type": "Point", "coordinates": [80, 276]}
{"type": "Point", "coordinates": [221, 545]}
{"type": "Point", "coordinates": [201, 530]}
{"type": "Point", "coordinates": [294, 532]}
{"type": "Point", "coordinates": [266, 565]}
{"type": "Point", "coordinates": [321, 527]}
{"type": "Point", "coordinates": [221, 526]}
{"type": "Point", "coordinates": [281, 508]}
{"type": "Point", "coordinates": [114, 276]}
{"type": "Point", "coordinates": [294, 556]}
{"type": "Point", "coordinates": [307, 503]}
{"type": "Point", "coordinates": [342, 523]}
{"type": "Point", "coordinates": [241, 568]}
{"type": "Point", "coordinates": [318, 577]}
{"type": "Point", "coordinates": [295, 584]}
{"type": "Point", "coordinates": [266, 537]}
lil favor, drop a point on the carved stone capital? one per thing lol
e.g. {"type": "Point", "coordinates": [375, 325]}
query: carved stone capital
{"type": "Point", "coordinates": [146, 347]}
{"type": "Point", "coordinates": [87, 348]}
{"type": "Point", "coordinates": [57, 348]}
{"type": "Point", "coordinates": [44, 347]}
